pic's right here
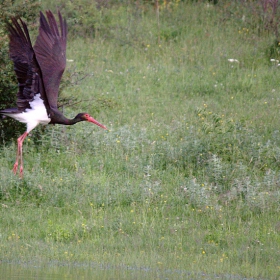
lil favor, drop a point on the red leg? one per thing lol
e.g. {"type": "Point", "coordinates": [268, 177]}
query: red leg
{"type": "Point", "coordinates": [19, 155]}
{"type": "Point", "coordinates": [16, 163]}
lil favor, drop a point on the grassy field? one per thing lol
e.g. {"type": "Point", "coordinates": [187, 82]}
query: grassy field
{"type": "Point", "coordinates": [186, 177]}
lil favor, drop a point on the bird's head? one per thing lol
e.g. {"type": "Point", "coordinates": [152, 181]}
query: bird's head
{"type": "Point", "coordinates": [86, 117]}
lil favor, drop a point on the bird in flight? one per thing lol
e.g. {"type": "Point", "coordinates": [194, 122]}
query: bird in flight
{"type": "Point", "coordinates": [39, 69]}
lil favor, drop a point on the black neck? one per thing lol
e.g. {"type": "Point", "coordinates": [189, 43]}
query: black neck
{"type": "Point", "coordinates": [59, 118]}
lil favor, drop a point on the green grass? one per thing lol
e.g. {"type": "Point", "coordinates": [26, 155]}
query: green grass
{"type": "Point", "coordinates": [186, 177]}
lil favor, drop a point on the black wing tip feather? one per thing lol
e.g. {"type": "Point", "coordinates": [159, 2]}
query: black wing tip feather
{"type": "Point", "coordinates": [44, 25]}
{"type": "Point", "coordinates": [53, 23]}
{"type": "Point", "coordinates": [63, 25]}
{"type": "Point", "coordinates": [20, 30]}
{"type": "Point", "coordinates": [49, 24]}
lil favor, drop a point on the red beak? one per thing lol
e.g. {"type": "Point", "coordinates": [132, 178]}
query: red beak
{"type": "Point", "coordinates": [92, 120]}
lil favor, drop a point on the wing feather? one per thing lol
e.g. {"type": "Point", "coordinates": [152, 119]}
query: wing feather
{"type": "Point", "coordinates": [50, 51]}
{"type": "Point", "coordinates": [25, 64]}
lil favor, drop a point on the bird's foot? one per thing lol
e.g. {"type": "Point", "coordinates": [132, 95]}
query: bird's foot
{"type": "Point", "coordinates": [15, 167]}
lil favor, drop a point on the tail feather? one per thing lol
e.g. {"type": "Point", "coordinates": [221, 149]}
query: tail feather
{"type": "Point", "coordinates": [10, 111]}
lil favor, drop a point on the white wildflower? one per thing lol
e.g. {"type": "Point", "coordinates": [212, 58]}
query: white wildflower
{"type": "Point", "coordinates": [233, 60]}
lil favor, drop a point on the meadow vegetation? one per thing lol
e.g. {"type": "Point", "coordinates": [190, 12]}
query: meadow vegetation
{"type": "Point", "coordinates": [187, 175]}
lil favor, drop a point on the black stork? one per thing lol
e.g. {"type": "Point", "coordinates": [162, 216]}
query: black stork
{"type": "Point", "coordinates": [39, 70]}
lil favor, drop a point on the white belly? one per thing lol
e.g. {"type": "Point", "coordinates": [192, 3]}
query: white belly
{"type": "Point", "coordinates": [34, 116]}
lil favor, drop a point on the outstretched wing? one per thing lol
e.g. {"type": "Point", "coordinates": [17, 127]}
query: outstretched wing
{"type": "Point", "coordinates": [25, 64]}
{"type": "Point", "coordinates": [50, 51]}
